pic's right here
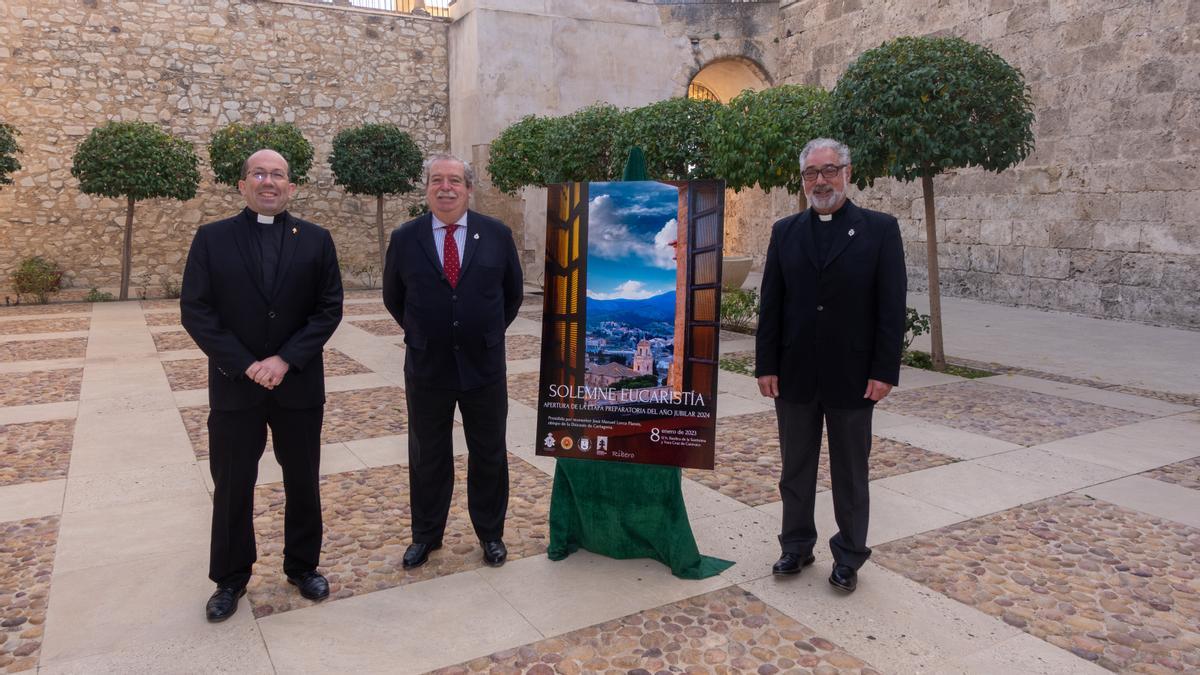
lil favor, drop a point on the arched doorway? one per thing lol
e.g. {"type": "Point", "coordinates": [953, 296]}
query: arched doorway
{"type": "Point", "coordinates": [722, 79]}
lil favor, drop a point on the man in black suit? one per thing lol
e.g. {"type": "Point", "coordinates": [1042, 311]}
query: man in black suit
{"type": "Point", "coordinates": [828, 348]}
{"type": "Point", "coordinates": [452, 280]}
{"type": "Point", "coordinates": [261, 295]}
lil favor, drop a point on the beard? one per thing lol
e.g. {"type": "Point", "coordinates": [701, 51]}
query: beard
{"type": "Point", "coordinates": [825, 201]}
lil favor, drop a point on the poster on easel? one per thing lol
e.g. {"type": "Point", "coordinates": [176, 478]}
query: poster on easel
{"type": "Point", "coordinates": [631, 322]}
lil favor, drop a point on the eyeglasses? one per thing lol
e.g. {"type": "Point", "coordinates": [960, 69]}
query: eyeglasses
{"type": "Point", "coordinates": [277, 176]}
{"type": "Point", "coordinates": [829, 171]}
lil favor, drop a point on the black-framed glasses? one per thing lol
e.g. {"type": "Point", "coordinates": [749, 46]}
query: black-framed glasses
{"type": "Point", "coordinates": [829, 171]}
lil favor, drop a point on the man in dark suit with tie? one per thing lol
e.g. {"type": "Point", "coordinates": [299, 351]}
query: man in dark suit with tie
{"type": "Point", "coordinates": [828, 348]}
{"type": "Point", "coordinates": [452, 280]}
{"type": "Point", "coordinates": [261, 295]}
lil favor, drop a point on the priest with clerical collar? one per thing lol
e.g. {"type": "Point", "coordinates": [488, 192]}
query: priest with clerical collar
{"type": "Point", "coordinates": [830, 327]}
{"type": "Point", "coordinates": [261, 295]}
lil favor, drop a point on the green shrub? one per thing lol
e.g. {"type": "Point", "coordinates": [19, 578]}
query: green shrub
{"type": "Point", "coordinates": [915, 324]}
{"type": "Point", "coordinates": [233, 144]}
{"type": "Point", "coordinates": [37, 277]}
{"type": "Point", "coordinates": [739, 309]}
{"type": "Point", "coordinates": [9, 149]}
{"type": "Point", "coordinates": [96, 295]}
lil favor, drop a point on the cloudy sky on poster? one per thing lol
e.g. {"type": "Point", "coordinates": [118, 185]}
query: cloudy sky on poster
{"type": "Point", "coordinates": [631, 226]}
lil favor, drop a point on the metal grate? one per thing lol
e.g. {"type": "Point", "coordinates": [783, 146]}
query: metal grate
{"type": "Point", "coordinates": [702, 92]}
{"type": "Point", "coordinates": [438, 8]}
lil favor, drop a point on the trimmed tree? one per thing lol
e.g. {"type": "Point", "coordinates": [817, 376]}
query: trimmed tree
{"type": "Point", "coordinates": [8, 153]}
{"type": "Point", "coordinates": [518, 156]}
{"type": "Point", "coordinates": [231, 145]}
{"type": "Point", "coordinates": [376, 159]}
{"type": "Point", "coordinates": [917, 106]}
{"type": "Point", "coordinates": [135, 160]}
{"type": "Point", "coordinates": [674, 134]}
{"type": "Point", "coordinates": [544, 150]}
{"type": "Point", "coordinates": [757, 138]}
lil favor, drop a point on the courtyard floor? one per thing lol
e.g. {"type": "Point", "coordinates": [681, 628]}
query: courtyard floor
{"type": "Point", "coordinates": [1043, 520]}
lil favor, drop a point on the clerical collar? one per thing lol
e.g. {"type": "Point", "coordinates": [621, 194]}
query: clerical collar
{"type": "Point", "coordinates": [827, 217]}
{"type": "Point", "coordinates": [265, 220]}
{"type": "Point", "coordinates": [823, 217]}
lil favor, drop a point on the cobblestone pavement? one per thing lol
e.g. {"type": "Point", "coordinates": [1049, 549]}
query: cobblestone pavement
{"type": "Point", "coordinates": [523, 388]}
{"type": "Point", "coordinates": [39, 350]}
{"type": "Point", "coordinates": [172, 340]}
{"type": "Point", "coordinates": [26, 560]}
{"type": "Point", "coordinates": [54, 308]}
{"type": "Point", "coordinates": [185, 374]}
{"type": "Point", "coordinates": [1013, 415]}
{"type": "Point", "coordinates": [725, 631]}
{"type": "Point", "coordinates": [160, 303]}
{"type": "Point", "coordinates": [27, 326]}
{"type": "Point", "coordinates": [349, 415]}
{"type": "Point", "coordinates": [380, 327]}
{"type": "Point", "coordinates": [40, 386]}
{"type": "Point", "coordinates": [1108, 584]}
{"type": "Point", "coordinates": [1185, 473]}
{"type": "Point", "coordinates": [748, 461]}
{"type": "Point", "coordinates": [363, 308]}
{"type": "Point", "coordinates": [517, 347]}
{"type": "Point", "coordinates": [164, 319]}
{"type": "Point", "coordinates": [367, 521]}
{"type": "Point", "coordinates": [35, 451]}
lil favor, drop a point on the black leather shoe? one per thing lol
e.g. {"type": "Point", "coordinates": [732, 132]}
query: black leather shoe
{"type": "Point", "coordinates": [417, 554]}
{"type": "Point", "coordinates": [312, 585]}
{"type": "Point", "coordinates": [844, 577]}
{"type": "Point", "coordinates": [791, 563]}
{"type": "Point", "coordinates": [223, 603]}
{"type": "Point", "coordinates": [494, 553]}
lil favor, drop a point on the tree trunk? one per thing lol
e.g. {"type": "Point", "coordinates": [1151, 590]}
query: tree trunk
{"type": "Point", "coordinates": [935, 292]}
{"type": "Point", "coordinates": [127, 251]}
{"type": "Point", "coordinates": [379, 232]}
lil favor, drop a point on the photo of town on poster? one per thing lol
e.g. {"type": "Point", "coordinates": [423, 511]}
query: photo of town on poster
{"type": "Point", "coordinates": [623, 397]}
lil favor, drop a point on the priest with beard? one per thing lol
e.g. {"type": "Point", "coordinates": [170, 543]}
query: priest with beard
{"type": "Point", "coordinates": [830, 327]}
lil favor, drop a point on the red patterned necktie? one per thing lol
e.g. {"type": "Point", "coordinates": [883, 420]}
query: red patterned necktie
{"type": "Point", "coordinates": [450, 255]}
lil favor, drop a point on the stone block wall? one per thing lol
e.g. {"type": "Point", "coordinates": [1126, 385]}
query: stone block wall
{"type": "Point", "coordinates": [1104, 218]}
{"type": "Point", "coordinates": [194, 66]}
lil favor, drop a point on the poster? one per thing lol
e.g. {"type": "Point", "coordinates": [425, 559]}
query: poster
{"type": "Point", "coordinates": [631, 322]}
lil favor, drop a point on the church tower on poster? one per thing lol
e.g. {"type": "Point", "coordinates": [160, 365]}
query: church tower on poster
{"type": "Point", "coordinates": [643, 360]}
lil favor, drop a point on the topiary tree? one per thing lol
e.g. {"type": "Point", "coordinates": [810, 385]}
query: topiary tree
{"type": "Point", "coordinates": [8, 153]}
{"type": "Point", "coordinates": [674, 134]}
{"type": "Point", "coordinates": [518, 155]}
{"type": "Point", "coordinates": [580, 145]}
{"type": "Point", "coordinates": [376, 159]}
{"type": "Point", "coordinates": [135, 160]}
{"type": "Point", "coordinates": [917, 106]}
{"type": "Point", "coordinates": [757, 138]}
{"type": "Point", "coordinates": [231, 145]}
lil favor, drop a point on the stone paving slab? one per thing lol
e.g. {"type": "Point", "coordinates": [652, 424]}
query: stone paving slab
{"type": "Point", "coordinates": [364, 294]}
{"type": "Point", "coordinates": [55, 308]}
{"type": "Point", "coordinates": [26, 561]}
{"type": "Point", "coordinates": [188, 374]}
{"type": "Point", "coordinates": [379, 327]}
{"type": "Point", "coordinates": [40, 386]}
{"type": "Point", "coordinates": [1186, 473]}
{"type": "Point", "coordinates": [28, 326]}
{"type": "Point", "coordinates": [517, 347]}
{"type": "Point", "coordinates": [523, 388]}
{"type": "Point", "coordinates": [1013, 415]}
{"type": "Point", "coordinates": [35, 451]}
{"type": "Point", "coordinates": [724, 631]}
{"type": "Point", "coordinates": [748, 460]}
{"type": "Point", "coordinates": [41, 350]}
{"type": "Point", "coordinates": [349, 415]}
{"type": "Point", "coordinates": [1111, 585]}
{"type": "Point", "coordinates": [361, 308]}
{"type": "Point", "coordinates": [367, 521]}
{"type": "Point", "coordinates": [173, 340]}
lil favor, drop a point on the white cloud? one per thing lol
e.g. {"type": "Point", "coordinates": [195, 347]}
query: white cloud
{"type": "Point", "coordinates": [628, 290]}
{"type": "Point", "coordinates": [609, 238]}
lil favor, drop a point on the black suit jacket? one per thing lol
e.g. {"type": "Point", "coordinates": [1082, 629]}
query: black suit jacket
{"type": "Point", "coordinates": [826, 329]}
{"type": "Point", "coordinates": [229, 315]}
{"type": "Point", "coordinates": [453, 337]}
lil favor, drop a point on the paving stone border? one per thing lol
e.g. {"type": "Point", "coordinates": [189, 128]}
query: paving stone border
{"type": "Point", "coordinates": [1110, 585]}
{"type": "Point", "coordinates": [40, 386]}
{"type": "Point", "coordinates": [1185, 473]}
{"type": "Point", "coordinates": [51, 308]}
{"type": "Point", "coordinates": [32, 452]}
{"type": "Point", "coordinates": [363, 308]}
{"type": "Point", "coordinates": [173, 340]}
{"type": "Point", "coordinates": [379, 327]}
{"type": "Point", "coordinates": [725, 631]}
{"type": "Point", "coordinates": [41, 350]}
{"type": "Point", "coordinates": [187, 374]}
{"type": "Point", "coordinates": [28, 326]}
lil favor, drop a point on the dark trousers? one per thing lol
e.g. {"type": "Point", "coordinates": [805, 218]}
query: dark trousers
{"type": "Point", "coordinates": [236, 440]}
{"type": "Point", "coordinates": [431, 462]}
{"type": "Point", "coordinates": [849, 450]}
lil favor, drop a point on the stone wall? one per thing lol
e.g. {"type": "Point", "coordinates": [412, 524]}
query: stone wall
{"type": "Point", "coordinates": [1103, 218]}
{"type": "Point", "coordinates": [194, 66]}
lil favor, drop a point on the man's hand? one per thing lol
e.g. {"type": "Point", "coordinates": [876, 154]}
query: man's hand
{"type": "Point", "coordinates": [876, 390]}
{"type": "Point", "coordinates": [269, 372]}
{"type": "Point", "coordinates": [768, 385]}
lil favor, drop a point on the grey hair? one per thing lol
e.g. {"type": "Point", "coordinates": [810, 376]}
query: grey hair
{"type": "Point", "coordinates": [468, 172]}
{"type": "Point", "coordinates": [822, 144]}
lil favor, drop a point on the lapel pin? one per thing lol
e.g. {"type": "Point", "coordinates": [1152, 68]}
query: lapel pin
{"type": "Point", "coordinates": [851, 232]}
{"type": "Point", "coordinates": [294, 231]}
{"type": "Point", "coordinates": [476, 235]}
